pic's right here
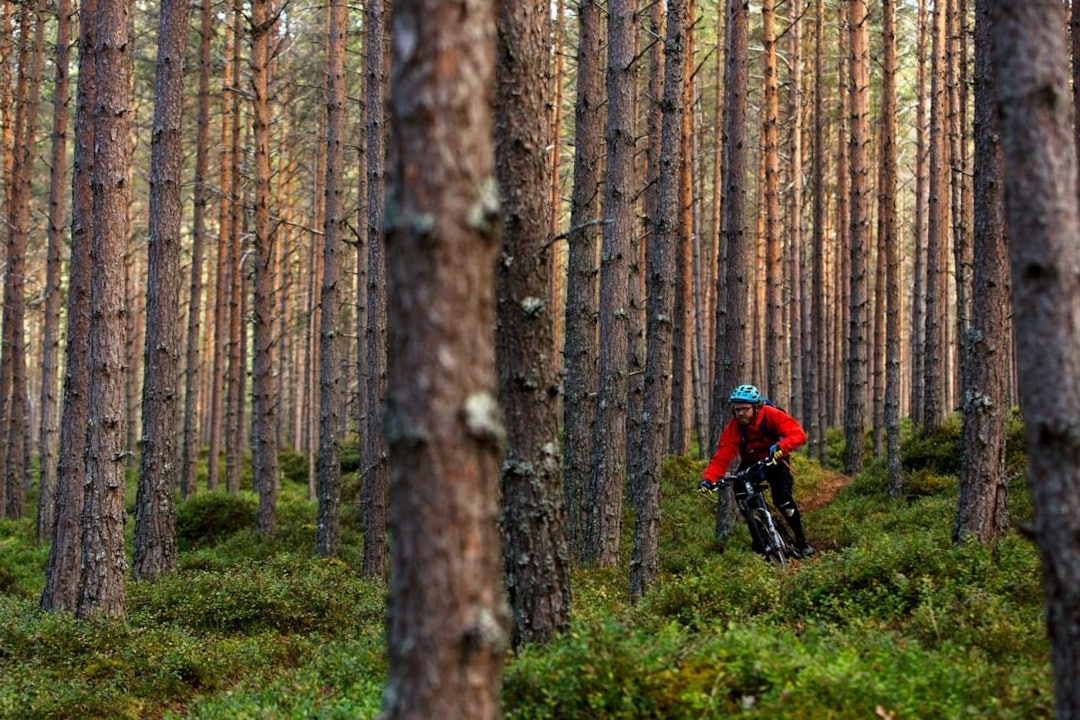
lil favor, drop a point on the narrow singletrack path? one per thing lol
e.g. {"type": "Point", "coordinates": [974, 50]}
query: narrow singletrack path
{"type": "Point", "coordinates": [824, 494]}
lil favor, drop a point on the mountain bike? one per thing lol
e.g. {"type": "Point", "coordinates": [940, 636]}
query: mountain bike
{"type": "Point", "coordinates": [770, 534]}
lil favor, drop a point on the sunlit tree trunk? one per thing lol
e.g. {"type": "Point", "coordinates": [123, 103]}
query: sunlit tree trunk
{"type": "Point", "coordinates": [918, 265]}
{"type": "Point", "coordinates": [890, 244]}
{"type": "Point", "coordinates": [934, 369]}
{"type": "Point", "coordinates": [776, 350]}
{"type": "Point", "coordinates": [836, 366]}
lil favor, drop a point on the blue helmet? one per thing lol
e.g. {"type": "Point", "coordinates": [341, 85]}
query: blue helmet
{"type": "Point", "coordinates": [746, 394]}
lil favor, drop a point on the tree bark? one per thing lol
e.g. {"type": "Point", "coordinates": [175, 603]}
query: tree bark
{"type": "Point", "coordinates": [891, 245]}
{"type": "Point", "coordinates": [155, 512]}
{"type": "Point", "coordinates": [1031, 60]}
{"type": "Point", "coordinates": [661, 263]}
{"type": "Point", "coordinates": [535, 558]}
{"type": "Point", "coordinates": [447, 621]}
{"type": "Point", "coordinates": [104, 560]}
{"type": "Point", "coordinates": [859, 310]}
{"type": "Point", "coordinates": [937, 230]}
{"type": "Point", "coordinates": [48, 429]}
{"type": "Point", "coordinates": [982, 508]}
{"type": "Point", "coordinates": [193, 365]}
{"type": "Point", "coordinates": [331, 405]}
{"type": "Point", "coordinates": [582, 294]}
{"type": "Point", "coordinates": [376, 474]}
{"type": "Point", "coordinates": [608, 468]}
{"type": "Point", "coordinates": [61, 590]}
{"type": "Point", "coordinates": [265, 399]}
{"type": "Point", "coordinates": [732, 332]}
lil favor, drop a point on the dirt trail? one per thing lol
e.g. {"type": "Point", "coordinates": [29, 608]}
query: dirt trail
{"type": "Point", "coordinates": [834, 482]}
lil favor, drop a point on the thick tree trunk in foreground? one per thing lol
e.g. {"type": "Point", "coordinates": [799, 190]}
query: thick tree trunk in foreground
{"type": "Point", "coordinates": [1031, 59]}
{"type": "Point", "coordinates": [446, 630]}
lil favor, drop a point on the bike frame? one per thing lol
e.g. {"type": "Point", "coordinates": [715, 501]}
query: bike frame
{"type": "Point", "coordinates": [775, 543]}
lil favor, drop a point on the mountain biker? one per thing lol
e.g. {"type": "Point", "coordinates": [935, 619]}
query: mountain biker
{"type": "Point", "coordinates": [759, 430]}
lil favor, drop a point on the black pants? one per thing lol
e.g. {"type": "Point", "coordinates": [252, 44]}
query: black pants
{"type": "Point", "coordinates": [780, 484]}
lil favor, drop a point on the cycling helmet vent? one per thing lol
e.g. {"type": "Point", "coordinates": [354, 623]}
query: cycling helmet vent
{"type": "Point", "coordinates": [745, 393]}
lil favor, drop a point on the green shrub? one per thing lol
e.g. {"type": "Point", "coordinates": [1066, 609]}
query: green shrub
{"type": "Point", "coordinates": [207, 518]}
{"type": "Point", "coordinates": [935, 449]}
{"type": "Point", "coordinates": [286, 593]}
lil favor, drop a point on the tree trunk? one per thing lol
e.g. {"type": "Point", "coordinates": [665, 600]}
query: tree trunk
{"type": "Point", "coordinates": [224, 268]}
{"type": "Point", "coordinates": [1031, 60]}
{"type": "Point", "coordinates": [331, 405]}
{"type": "Point", "coordinates": [661, 265]}
{"type": "Point", "coordinates": [193, 365]}
{"type": "Point", "coordinates": [104, 560]}
{"type": "Point", "coordinates": [774, 327]}
{"type": "Point", "coordinates": [535, 559]}
{"type": "Point", "coordinates": [446, 633]}
{"type": "Point", "coordinates": [891, 246]}
{"type": "Point", "coordinates": [816, 379]}
{"type": "Point", "coordinates": [61, 590]}
{"type": "Point", "coordinates": [48, 432]}
{"type": "Point", "coordinates": [608, 468]}
{"type": "Point", "coordinates": [918, 265]}
{"type": "Point", "coordinates": [13, 368]}
{"type": "Point", "coordinates": [265, 398]}
{"type": "Point", "coordinates": [982, 511]}
{"type": "Point", "coordinates": [937, 231]}
{"type": "Point", "coordinates": [155, 513]}
{"type": "Point", "coordinates": [732, 332]}
{"type": "Point", "coordinates": [580, 350]}
{"type": "Point", "coordinates": [681, 403]}
{"type": "Point", "coordinates": [858, 318]}
{"type": "Point", "coordinates": [376, 473]}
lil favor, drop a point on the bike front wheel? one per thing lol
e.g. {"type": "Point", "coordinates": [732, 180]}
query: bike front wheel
{"type": "Point", "coordinates": [777, 550]}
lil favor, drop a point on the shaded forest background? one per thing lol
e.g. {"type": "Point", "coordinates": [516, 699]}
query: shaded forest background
{"type": "Point", "coordinates": [277, 235]}
{"type": "Point", "coordinates": [217, 211]}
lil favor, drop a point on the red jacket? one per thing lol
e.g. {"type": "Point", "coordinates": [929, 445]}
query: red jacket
{"type": "Point", "coordinates": [770, 426]}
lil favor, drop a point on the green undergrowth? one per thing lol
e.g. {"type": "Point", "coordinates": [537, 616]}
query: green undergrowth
{"type": "Point", "coordinates": [890, 620]}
